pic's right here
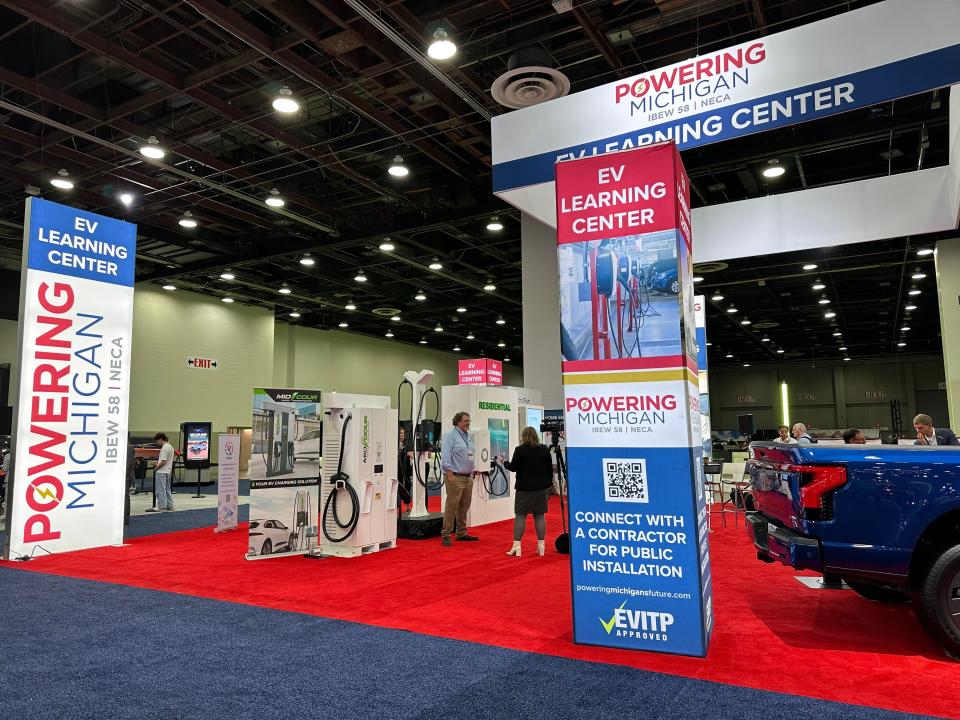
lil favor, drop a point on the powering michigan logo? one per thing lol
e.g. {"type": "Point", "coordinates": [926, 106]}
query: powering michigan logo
{"type": "Point", "coordinates": [638, 624]}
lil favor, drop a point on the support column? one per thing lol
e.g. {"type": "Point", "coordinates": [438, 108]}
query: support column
{"type": "Point", "coordinates": [839, 397]}
{"type": "Point", "coordinates": [948, 294]}
{"type": "Point", "coordinates": [541, 311]}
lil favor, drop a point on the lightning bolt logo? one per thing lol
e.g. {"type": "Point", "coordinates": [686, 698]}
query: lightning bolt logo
{"type": "Point", "coordinates": [45, 493]}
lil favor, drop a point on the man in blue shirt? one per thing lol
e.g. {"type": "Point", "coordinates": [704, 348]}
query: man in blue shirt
{"type": "Point", "coordinates": [457, 467]}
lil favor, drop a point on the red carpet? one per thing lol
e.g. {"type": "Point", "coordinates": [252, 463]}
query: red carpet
{"type": "Point", "coordinates": [772, 633]}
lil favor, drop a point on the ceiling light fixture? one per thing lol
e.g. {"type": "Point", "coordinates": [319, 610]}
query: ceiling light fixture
{"type": "Point", "coordinates": [227, 275]}
{"type": "Point", "coordinates": [470, 336]}
{"type": "Point", "coordinates": [360, 277]}
{"type": "Point", "coordinates": [151, 149]}
{"type": "Point", "coordinates": [914, 291]}
{"type": "Point", "coordinates": [842, 349]}
{"type": "Point", "coordinates": [438, 328]}
{"type": "Point", "coordinates": [285, 102]}
{"type": "Point", "coordinates": [774, 169]}
{"type": "Point", "coordinates": [729, 355]}
{"type": "Point", "coordinates": [917, 275]}
{"type": "Point", "coordinates": [423, 341]}
{"type": "Point", "coordinates": [61, 180]}
{"type": "Point", "coordinates": [350, 306]}
{"type": "Point", "coordinates": [901, 344]}
{"type": "Point", "coordinates": [274, 200]}
{"type": "Point", "coordinates": [810, 266]}
{"type": "Point", "coordinates": [838, 334]}
{"type": "Point", "coordinates": [846, 359]}
{"type": "Point", "coordinates": [763, 339]}
{"type": "Point", "coordinates": [909, 307]}
{"type": "Point", "coordinates": [343, 324]}
{"type": "Point", "coordinates": [284, 290]}
{"type": "Point", "coordinates": [307, 260]}
{"type": "Point", "coordinates": [501, 344]}
{"type": "Point", "coordinates": [780, 351]}
{"type": "Point", "coordinates": [732, 310]}
{"type": "Point", "coordinates": [388, 334]}
{"type": "Point", "coordinates": [456, 348]}
{"type": "Point", "coordinates": [420, 296]}
{"type": "Point", "coordinates": [824, 300]}
{"type": "Point", "coordinates": [126, 199]}
{"type": "Point", "coordinates": [746, 364]}
{"type": "Point", "coordinates": [169, 287]}
{"type": "Point", "coordinates": [925, 251]}
{"type": "Point", "coordinates": [489, 287]}
{"type": "Point", "coordinates": [387, 246]}
{"type": "Point", "coordinates": [495, 225]}
{"type": "Point", "coordinates": [501, 321]}
{"type": "Point", "coordinates": [697, 278]}
{"type": "Point", "coordinates": [226, 300]}
{"type": "Point", "coordinates": [435, 265]}
{"type": "Point", "coordinates": [745, 321]}
{"type": "Point", "coordinates": [905, 328]}
{"type": "Point", "coordinates": [396, 318]}
{"type": "Point", "coordinates": [818, 285]}
{"type": "Point", "coordinates": [717, 298]}
{"type": "Point", "coordinates": [187, 221]}
{"type": "Point", "coordinates": [829, 315]}
{"type": "Point", "coordinates": [294, 314]}
{"type": "Point", "coordinates": [398, 169]}
{"type": "Point", "coordinates": [441, 47]}
{"type": "Point", "coordinates": [461, 309]}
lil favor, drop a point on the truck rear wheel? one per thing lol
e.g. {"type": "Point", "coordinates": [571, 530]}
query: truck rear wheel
{"type": "Point", "coordinates": [938, 600]}
{"type": "Point", "coordinates": [878, 593]}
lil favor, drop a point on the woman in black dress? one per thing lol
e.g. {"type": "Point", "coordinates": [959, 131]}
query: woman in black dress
{"type": "Point", "coordinates": [534, 470]}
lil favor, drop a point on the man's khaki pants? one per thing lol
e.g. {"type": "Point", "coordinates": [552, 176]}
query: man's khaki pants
{"type": "Point", "coordinates": [459, 497]}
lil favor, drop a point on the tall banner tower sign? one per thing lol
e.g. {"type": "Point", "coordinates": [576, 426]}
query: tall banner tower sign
{"type": "Point", "coordinates": [638, 515]}
{"type": "Point", "coordinates": [76, 315]}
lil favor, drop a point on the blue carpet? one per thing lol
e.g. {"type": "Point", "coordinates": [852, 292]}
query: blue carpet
{"type": "Point", "coordinates": [77, 649]}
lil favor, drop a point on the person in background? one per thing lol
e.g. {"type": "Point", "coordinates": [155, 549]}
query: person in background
{"type": "Point", "coordinates": [854, 437]}
{"type": "Point", "coordinates": [131, 465]}
{"type": "Point", "coordinates": [927, 434]}
{"type": "Point", "coordinates": [163, 474]}
{"type": "Point", "coordinates": [785, 438]}
{"type": "Point", "coordinates": [4, 475]}
{"type": "Point", "coordinates": [534, 470]}
{"type": "Point", "coordinates": [457, 467]}
{"type": "Point", "coordinates": [801, 435]}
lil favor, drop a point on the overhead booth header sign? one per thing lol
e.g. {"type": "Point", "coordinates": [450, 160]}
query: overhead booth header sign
{"type": "Point", "coordinates": [76, 313]}
{"type": "Point", "coordinates": [638, 522]}
{"type": "Point", "coordinates": [483, 371]}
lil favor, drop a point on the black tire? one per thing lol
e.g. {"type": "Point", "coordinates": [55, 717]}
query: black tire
{"type": "Point", "coordinates": [267, 548]}
{"type": "Point", "coordinates": [938, 600]}
{"type": "Point", "coordinates": [877, 593]}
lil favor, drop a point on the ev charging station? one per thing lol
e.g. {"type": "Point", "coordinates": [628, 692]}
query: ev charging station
{"type": "Point", "coordinates": [493, 414]}
{"type": "Point", "coordinates": [358, 476]}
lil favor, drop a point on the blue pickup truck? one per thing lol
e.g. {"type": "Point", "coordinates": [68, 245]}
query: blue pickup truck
{"type": "Point", "coordinates": [884, 518]}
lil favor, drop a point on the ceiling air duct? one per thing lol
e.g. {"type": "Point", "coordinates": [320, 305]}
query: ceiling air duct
{"type": "Point", "coordinates": [529, 80]}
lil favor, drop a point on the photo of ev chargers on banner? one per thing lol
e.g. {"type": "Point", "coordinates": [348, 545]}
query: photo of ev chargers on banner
{"type": "Point", "coordinates": [639, 549]}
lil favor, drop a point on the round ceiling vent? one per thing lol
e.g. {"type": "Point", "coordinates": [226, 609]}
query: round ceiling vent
{"type": "Point", "coordinates": [529, 80]}
{"type": "Point", "coordinates": [709, 267]}
{"type": "Point", "coordinates": [385, 312]}
{"type": "Point", "coordinates": [765, 325]}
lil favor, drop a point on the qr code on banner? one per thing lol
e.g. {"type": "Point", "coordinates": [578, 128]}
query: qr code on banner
{"type": "Point", "coordinates": [625, 480]}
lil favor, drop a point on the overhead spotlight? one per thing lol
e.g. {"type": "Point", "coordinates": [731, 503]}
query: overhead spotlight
{"type": "Point", "coordinates": [905, 328]}
{"type": "Point", "coordinates": [697, 278]}
{"type": "Point", "coordinates": [838, 334]}
{"type": "Point", "coordinates": [187, 221]}
{"type": "Point", "coordinates": [274, 200]}
{"type": "Point", "coordinates": [126, 199]}
{"type": "Point", "coordinates": [745, 321]}
{"type": "Point", "coordinates": [709, 343]}
{"type": "Point", "coordinates": [61, 180]}
{"type": "Point", "coordinates": [842, 349]}
{"type": "Point", "coordinates": [746, 364]}
{"type": "Point", "coordinates": [396, 318]}
{"type": "Point", "coordinates": [774, 169]}
{"type": "Point", "coordinates": [398, 169]}
{"type": "Point", "coordinates": [435, 265]}
{"type": "Point", "coordinates": [227, 275]}
{"type": "Point", "coordinates": [909, 307]}
{"type": "Point", "coordinates": [501, 321]}
{"type": "Point", "coordinates": [285, 102]}
{"type": "Point", "coordinates": [732, 310]}
{"type": "Point", "coordinates": [914, 291]}
{"type": "Point", "coordinates": [846, 359]}
{"type": "Point", "coordinates": [423, 341]}
{"type": "Point", "coordinates": [763, 339]}
{"type": "Point", "coordinates": [901, 344]}
{"type": "Point", "coordinates": [227, 300]}
{"type": "Point", "coordinates": [780, 351]}
{"type": "Point", "coordinates": [824, 300]}
{"type": "Point", "coordinates": [456, 348]}
{"type": "Point", "coordinates": [420, 296]}
{"type": "Point", "coordinates": [461, 309]}
{"type": "Point", "coordinates": [810, 266]}
{"type": "Point", "coordinates": [294, 314]}
{"type": "Point", "coordinates": [501, 344]}
{"type": "Point", "coordinates": [489, 287]}
{"type": "Point", "coordinates": [441, 47]}
{"type": "Point", "coordinates": [307, 260]}
{"type": "Point", "coordinates": [729, 355]}
{"type": "Point", "coordinates": [350, 306]}
{"type": "Point", "coordinates": [152, 149]}
{"type": "Point", "coordinates": [360, 277]}
{"type": "Point", "coordinates": [388, 334]}
{"type": "Point", "coordinates": [495, 225]}
{"type": "Point", "coordinates": [343, 324]}
{"type": "Point", "coordinates": [169, 287]}
{"type": "Point", "coordinates": [284, 290]}
{"type": "Point", "coordinates": [387, 246]}
{"type": "Point", "coordinates": [918, 275]}
{"type": "Point", "coordinates": [717, 298]}
{"type": "Point", "coordinates": [470, 336]}
{"type": "Point", "coordinates": [829, 315]}
{"type": "Point", "coordinates": [506, 359]}
{"type": "Point", "coordinates": [438, 328]}
{"type": "Point", "coordinates": [818, 285]}
{"type": "Point", "coordinates": [925, 251]}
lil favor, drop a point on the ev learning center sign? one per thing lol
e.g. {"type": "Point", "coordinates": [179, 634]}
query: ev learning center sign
{"type": "Point", "coordinates": [76, 313]}
{"type": "Point", "coordinates": [639, 550]}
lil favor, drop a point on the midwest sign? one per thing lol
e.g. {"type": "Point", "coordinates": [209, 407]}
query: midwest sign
{"type": "Point", "coordinates": [76, 310]}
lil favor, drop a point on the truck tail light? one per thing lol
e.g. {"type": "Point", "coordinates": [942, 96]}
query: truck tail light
{"type": "Point", "coordinates": [817, 481]}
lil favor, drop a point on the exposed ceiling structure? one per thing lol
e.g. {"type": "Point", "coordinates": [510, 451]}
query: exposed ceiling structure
{"type": "Point", "coordinates": [84, 85]}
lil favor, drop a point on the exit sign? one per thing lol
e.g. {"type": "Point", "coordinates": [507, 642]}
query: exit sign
{"type": "Point", "coordinates": [200, 363]}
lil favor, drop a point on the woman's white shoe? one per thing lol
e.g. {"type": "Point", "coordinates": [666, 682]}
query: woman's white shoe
{"type": "Point", "coordinates": [541, 547]}
{"type": "Point", "coordinates": [515, 550]}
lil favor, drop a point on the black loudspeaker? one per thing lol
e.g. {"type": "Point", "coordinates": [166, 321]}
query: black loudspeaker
{"type": "Point", "coordinates": [745, 423]}
{"type": "Point", "coordinates": [6, 420]}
